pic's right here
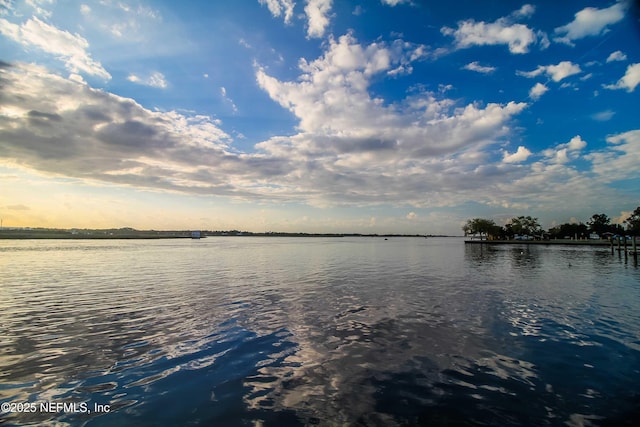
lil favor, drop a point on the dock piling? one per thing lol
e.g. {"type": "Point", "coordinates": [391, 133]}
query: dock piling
{"type": "Point", "coordinates": [619, 248]}
{"type": "Point", "coordinates": [625, 249]}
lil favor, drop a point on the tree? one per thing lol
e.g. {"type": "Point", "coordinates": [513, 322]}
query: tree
{"type": "Point", "coordinates": [481, 226]}
{"type": "Point", "coordinates": [633, 222]}
{"type": "Point", "coordinates": [523, 225]}
{"type": "Point", "coordinates": [599, 224]}
{"type": "Point", "coordinates": [568, 230]}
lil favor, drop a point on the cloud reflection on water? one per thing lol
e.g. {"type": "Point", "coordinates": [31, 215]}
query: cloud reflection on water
{"type": "Point", "coordinates": [316, 331]}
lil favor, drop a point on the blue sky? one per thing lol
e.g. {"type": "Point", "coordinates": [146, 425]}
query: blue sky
{"type": "Point", "coordinates": [319, 116]}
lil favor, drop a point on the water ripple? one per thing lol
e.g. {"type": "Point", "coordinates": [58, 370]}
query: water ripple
{"type": "Point", "coordinates": [317, 331]}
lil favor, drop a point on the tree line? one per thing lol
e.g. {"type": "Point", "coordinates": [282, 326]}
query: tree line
{"type": "Point", "coordinates": [529, 226]}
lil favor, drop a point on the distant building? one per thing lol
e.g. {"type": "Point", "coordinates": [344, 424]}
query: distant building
{"type": "Point", "coordinates": [195, 234]}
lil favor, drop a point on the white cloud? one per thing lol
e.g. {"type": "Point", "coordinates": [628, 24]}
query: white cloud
{"type": "Point", "coordinates": [576, 143]}
{"type": "Point", "coordinates": [412, 216]}
{"type": "Point", "coordinates": [394, 2]}
{"type": "Point", "coordinates": [280, 7]}
{"type": "Point", "coordinates": [133, 24]}
{"type": "Point", "coordinates": [475, 66]}
{"type": "Point", "coordinates": [537, 91]}
{"type": "Point", "coordinates": [5, 6]}
{"type": "Point", "coordinates": [620, 160]}
{"type": "Point", "coordinates": [67, 128]}
{"type": "Point", "coordinates": [503, 31]}
{"type": "Point", "coordinates": [223, 93]}
{"type": "Point", "coordinates": [561, 156]}
{"type": "Point", "coordinates": [155, 79]}
{"type": "Point", "coordinates": [629, 81]}
{"type": "Point", "coordinates": [563, 153]}
{"type": "Point", "coordinates": [38, 8]}
{"type": "Point", "coordinates": [525, 11]}
{"type": "Point", "coordinates": [360, 150]}
{"type": "Point", "coordinates": [543, 39]}
{"type": "Point", "coordinates": [603, 116]}
{"type": "Point", "coordinates": [590, 22]}
{"type": "Point", "coordinates": [70, 48]}
{"type": "Point", "coordinates": [351, 147]}
{"type": "Point", "coordinates": [520, 155]}
{"type": "Point", "coordinates": [556, 72]}
{"type": "Point", "coordinates": [77, 78]}
{"type": "Point", "coordinates": [617, 56]}
{"type": "Point", "coordinates": [562, 70]}
{"type": "Point", "coordinates": [317, 11]}
{"type": "Point", "coordinates": [333, 87]}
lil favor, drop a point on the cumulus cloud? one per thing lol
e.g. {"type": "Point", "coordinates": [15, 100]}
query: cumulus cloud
{"type": "Point", "coordinates": [563, 153]}
{"type": "Point", "coordinates": [551, 185]}
{"type": "Point", "coordinates": [351, 147]}
{"type": "Point", "coordinates": [332, 92]}
{"type": "Point", "coordinates": [521, 154]}
{"type": "Point", "coordinates": [620, 159]}
{"type": "Point", "coordinates": [280, 7]}
{"type": "Point", "coordinates": [425, 150]}
{"type": "Point", "coordinates": [58, 126]}
{"type": "Point", "coordinates": [72, 49]}
{"type": "Point", "coordinates": [503, 31]}
{"type": "Point", "coordinates": [155, 79]}
{"type": "Point", "coordinates": [556, 72]}
{"type": "Point", "coordinates": [576, 143]}
{"type": "Point", "coordinates": [475, 66]}
{"type": "Point", "coordinates": [616, 56]}
{"type": "Point", "coordinates": [361, 149]}
{"type": "Point", "coordinates": [590, 22]}
{"type": "Point", "coordinates": [537, 91]}
{"type": "Point", "coordinates": [317, 12]}
{"type": "Point", "coordinates": [629, 81]}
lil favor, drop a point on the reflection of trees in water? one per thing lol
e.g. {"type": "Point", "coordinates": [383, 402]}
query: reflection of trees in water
{"type": "Point", "coordinates": [479, 254]}
{"type": "Point", "coordinates": [525, 258]}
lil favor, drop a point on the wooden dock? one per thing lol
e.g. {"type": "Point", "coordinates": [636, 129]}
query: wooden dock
{"type": "Point", "coordinates": [623, 248]}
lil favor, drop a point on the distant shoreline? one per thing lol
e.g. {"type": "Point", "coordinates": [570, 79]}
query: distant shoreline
{"type": "Point", "coordinates": [128, 233]}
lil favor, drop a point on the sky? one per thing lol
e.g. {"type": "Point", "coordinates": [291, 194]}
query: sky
{"type": "Point", "coordinates": [376, 116]}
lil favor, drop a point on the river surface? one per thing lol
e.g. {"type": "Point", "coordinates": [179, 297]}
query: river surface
{"type": "Point", "coordinates": [268, 331]}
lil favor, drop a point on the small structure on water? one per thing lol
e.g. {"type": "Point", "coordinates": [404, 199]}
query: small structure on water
{"type": "Point", "coordinates": [195, 234]}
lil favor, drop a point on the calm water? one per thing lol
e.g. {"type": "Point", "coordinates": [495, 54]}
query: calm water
{"type": "Point", "coordinates": [338, 331]}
